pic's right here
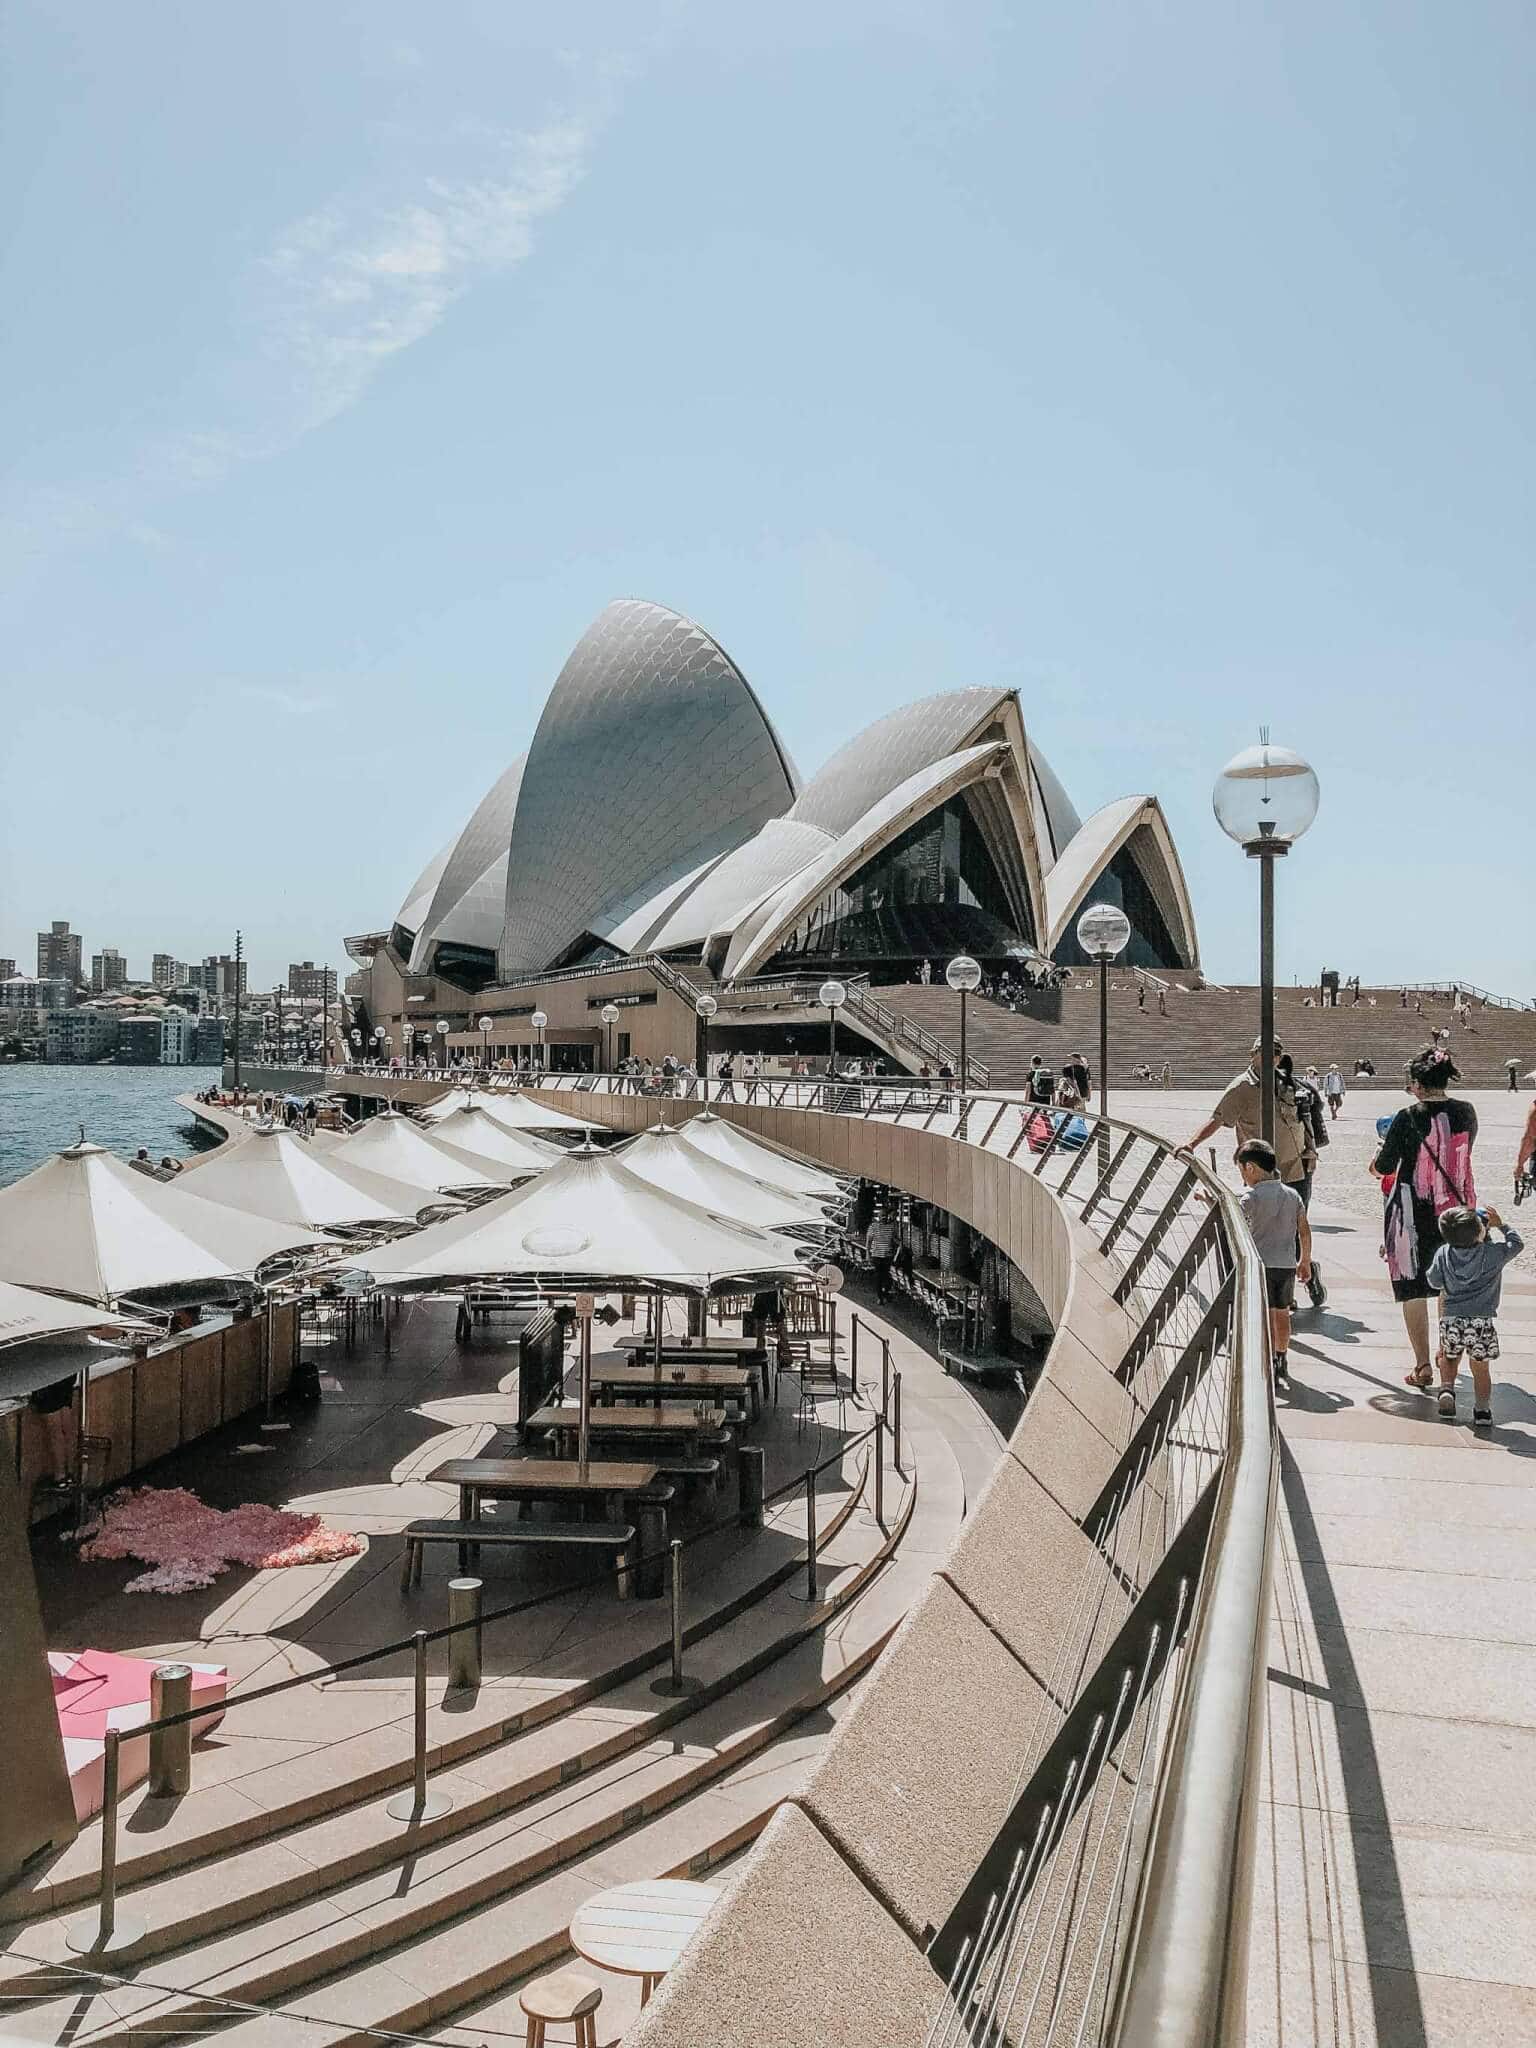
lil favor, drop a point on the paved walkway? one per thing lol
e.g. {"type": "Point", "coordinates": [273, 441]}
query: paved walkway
{"type": "Point", "coordinates": [1395, 1895]}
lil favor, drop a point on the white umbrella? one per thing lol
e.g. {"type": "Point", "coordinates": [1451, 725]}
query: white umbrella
{"type": "Point", "coordinates": [89, 1225]}
{"type": "Point", "coordinates": [517, 1111]}
{"type": "Point", "coordinates": [663, 1156]}
{"type": "Point", "coordinates": [474, 1129]}
{"type": "Point", "coordinates": [587, 1223]}
{"type": "Point", "coordinates": [26, 1316]}
{"type": "Point", "coordinates": [733, 1146]}
{"type": "Point", "coordinates": [273, 1173]}
{"type": "Point", "coordinates": [390, 1143]}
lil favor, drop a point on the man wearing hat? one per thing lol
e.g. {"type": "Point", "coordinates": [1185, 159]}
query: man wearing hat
{"type": "Point", "coordinates": [1240, 1110]}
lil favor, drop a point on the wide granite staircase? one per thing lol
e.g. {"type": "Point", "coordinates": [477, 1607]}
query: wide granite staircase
{"type": "Point", "coordinates": [1207, 1032]}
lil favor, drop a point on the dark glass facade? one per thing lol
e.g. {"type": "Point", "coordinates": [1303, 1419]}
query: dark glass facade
{"type": "Point", "coordinates": [933, 892]}
{"type": "Point", "coordinates": [1151, 943]}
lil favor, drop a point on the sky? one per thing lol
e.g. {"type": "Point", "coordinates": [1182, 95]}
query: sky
{"type": "Point", "coordinates": [1172, 364]}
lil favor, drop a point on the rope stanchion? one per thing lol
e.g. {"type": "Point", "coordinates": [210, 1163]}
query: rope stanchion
{"type": "Point", "coordinates": [419, 1804]}
{"type": "Point", "coordinates": [106, 1935]}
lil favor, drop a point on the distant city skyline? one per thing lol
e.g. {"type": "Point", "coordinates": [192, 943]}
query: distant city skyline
{"type": "Point", "coordinates": [1172, 368]}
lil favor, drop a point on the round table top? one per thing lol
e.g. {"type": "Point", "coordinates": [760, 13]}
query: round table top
{"type": "Point", "coordinates": [640, 1930]}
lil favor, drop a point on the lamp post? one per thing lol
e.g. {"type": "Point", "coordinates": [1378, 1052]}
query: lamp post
{"type": "Point", "coordinates": [964, 976]}
{"type": "Point", "coordinates": [378, 1043]}
{"type": "Point", "coordinates": [704, 1007]}
{"type": "Point", "coordinates": [407, 1033]}
{"type": "Point", "coordinates": [832, 996]}
{"type": "Point", "coordinates": [1103, 932]}
{"type": "Point", "coordinates": [540, 1022]}
{"type": "Point", "coordinates": [441, 1028]}
{"type": "Point", "coordinates": [357, 1043]}
{"type": "Point", "coordinates": [485, 1043]}
{"type": "Point", "coordinates": [610, 1016]}
{"type": "Point", "coordinates": [1265, 798]}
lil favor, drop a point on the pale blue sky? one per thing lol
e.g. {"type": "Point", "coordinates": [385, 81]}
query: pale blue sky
{"type": "Point", "coordinates": [1173, 364]}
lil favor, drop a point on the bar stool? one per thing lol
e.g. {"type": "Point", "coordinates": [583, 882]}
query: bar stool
{"type": "Point", "coordinates": [567, 1995]}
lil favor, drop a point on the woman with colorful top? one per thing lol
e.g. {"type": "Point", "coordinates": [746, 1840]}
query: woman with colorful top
{"type": "Point", "coordinates": [1426, 1161]}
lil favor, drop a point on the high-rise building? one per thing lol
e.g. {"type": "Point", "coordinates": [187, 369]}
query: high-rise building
{"type": "Point", "coordinates": [109, 970]}
{"type": "Point", "coordinates": [58, 953]}
{"type": "Point", "coordinates": [176, 1036]}
{"type": "Point", "coordinates": [207, 1041]}
{"type": "Point", "coordinates": [166, 971]}
{"type": "Point", "coordinates": [23, 992]}
{"type": "Point", "coordinates": [139, 1039]}
{"type": "Point", "coordinates": [7, 970]}
{"type": "Point", "coordinates": [217, 976]}
{"type": "Point", "coordinates": [306, 979]}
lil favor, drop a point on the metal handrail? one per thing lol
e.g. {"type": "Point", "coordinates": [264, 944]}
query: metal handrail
{"type": "Point", "coordinates": [1181, 1971]}
{"type": "Point", "coordinates": [1463, 988]}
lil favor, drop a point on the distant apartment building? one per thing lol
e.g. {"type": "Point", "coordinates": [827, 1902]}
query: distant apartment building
{"type": "Point", "coordinates": [77, 1037]}
{"type": "Point", "coordinates": [29, 992]}
{"type": "Point", "coordinates": [306, 979]}
{"type": "Point", "coordinates": [166, 971]}
{"type": "Point", "coordinates": [109, 971]}
{"type": "Point", "coordinates": [58, 954]}
{"type": "Point", "coordinates": [177, 1031]}
{"type": "Point", "coordinates": [207, 1041]}
{"type": "Point", "coordinates": [7, 970]}
{"type": "Point", "coordinates": [139, 1039]}
{"type": "Point", "coordinates": [218, 975]}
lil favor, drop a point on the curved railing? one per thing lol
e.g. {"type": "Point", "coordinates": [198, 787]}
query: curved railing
{"type": "Point", "coordinates": [1101, 1893]}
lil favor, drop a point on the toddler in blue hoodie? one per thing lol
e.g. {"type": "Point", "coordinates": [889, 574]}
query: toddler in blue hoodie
{"type": "Point", "coordinates": [1467, 1273]}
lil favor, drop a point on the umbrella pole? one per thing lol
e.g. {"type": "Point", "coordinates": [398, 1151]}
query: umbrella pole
{"type": "Point", "coordinates": [85, 1409]}
{"type": "Point", "coordinates": [656, 1345]}
{"type": "Point", "coordinates": [584, 1443]}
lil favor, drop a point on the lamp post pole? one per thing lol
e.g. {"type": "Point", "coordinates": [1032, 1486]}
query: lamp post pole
{"type": "Point", "coordinates": [442, 1044]}
{"type": "Point", "coordinates": [832, 995]}
{"type": "Point", "coordinates": [1265, 798]}
{"type": "Point", "coordinates": [704, 1008]}
{"type": "Point", "coordinates": [963, 975]}
{"type": "Point", "coordinates": [1103, 932]}
{"type": "Point", "coordinates": [485, 1045]}
{"type": "Point", "coordinates": [239, 961]}
{"type": "Point", "coordinates": [610, 1017]}
{"type": "Point", "coordinates": [540, 1022]}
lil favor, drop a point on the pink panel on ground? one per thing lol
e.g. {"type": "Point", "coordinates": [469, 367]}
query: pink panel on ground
{"type": "Point", "coordinates": [94, 1690]}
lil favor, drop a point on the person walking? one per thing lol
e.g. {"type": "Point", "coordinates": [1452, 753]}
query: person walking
{"type": "Point", "coordinates": [1240, 1110]}
{"type": "Point", "coordinates": [1038, 1082]}
{"type": "Point", "coordinates": [882, 1249]}
{"type": "Point", "coordinates": [1076, 1071]}
{"type": "Point", "coordinates": [1162, 1002]}
{"type": "Point", "coordinates": [1333, 1088]}
{"type": "Point", "coordinates": [1426, 1161]}
{"type": "Point", "coordinates": [1282, 1237]}
{"type": "Point", "coordinates": [1467, 1273]}
{"type": "Point", "coordinates": [1512, 1068]}
{"type": "Point", "coordinates": [1525, 1158]}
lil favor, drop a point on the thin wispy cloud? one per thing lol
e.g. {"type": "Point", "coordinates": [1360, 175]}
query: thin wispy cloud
{"type": "Point", "coordinates": [341, 294]}
{"type": "Point", "coordinates": [277, 697]}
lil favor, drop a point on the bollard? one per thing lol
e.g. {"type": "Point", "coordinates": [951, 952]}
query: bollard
{"type": "Point", "coordinates": [885, 1377]}
{"type": "Point", "coordinates": [749, 1480]}
{"type": "Point", "coordinates": [464, 1601]}
{"type": "Point", "coordinates": [853, 1358]}
{"type": "Point", "coordinates": [676, 1684]}
{"type": "Point", "coordinates": [896, 1424]}
{"type": "Point", "coordinates": [810, 1534]}
{"type": "Point", "coordinates": [107, 1935]}
{"type": "Point", "coordinates": [419, 1804]}
{"type": "Point", "coordinates": [170, 1749]}
{"type": "Point", "coordinates": [880, 1470]}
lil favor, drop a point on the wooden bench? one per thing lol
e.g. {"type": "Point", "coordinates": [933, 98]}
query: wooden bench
{"type": "Point", "coordinates": [475, 1535]}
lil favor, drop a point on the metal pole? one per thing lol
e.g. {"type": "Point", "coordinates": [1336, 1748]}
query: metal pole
{"type": "Point", "coordinates": [832, 1041]}
{"type": "Point", "coordinates": [896, 1424]}
{"type": "Point", "coordinates": [239, 956]}
{"type": "Point", "coordinates": [170, 1749]}
{"type": "Point", "coordinates": [1103, 1062]}
{"type": "Point", "coordinates": [853, 1357]}
{"type": "Point", "coordinates": [676, 1683]}
{"type": "Point", "coordinates": [80, 1473]}
{"type": "Point", "coordinates": [880, 1468]}
{"type": "Point", "coordinates": [885, 1376]}
{"type": "Point", "coordinates": [584, 1431]}
{"type": "Point", "coordinates": [965, 1067]}
{"type": "Point", "coordinates": [107, 1935]}
{"type": "Point", "coordinates": [419, 1804]}
{"type": "Point", "coordinates": [1267, 996]}
{"type": "Point", "coordinates": [810, 1534]}
{"type": "Point", "coordinates": [464, 1647]}
{"type": "Point", "coordinates": [268, 1395]}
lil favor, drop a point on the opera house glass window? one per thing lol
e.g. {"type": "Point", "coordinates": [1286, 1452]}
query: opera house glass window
{"type": "Point", "coordinates": [934, 891]}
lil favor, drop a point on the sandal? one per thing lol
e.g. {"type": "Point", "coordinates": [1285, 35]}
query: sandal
{"type": "Point", "coordinates": [1421, 1377]}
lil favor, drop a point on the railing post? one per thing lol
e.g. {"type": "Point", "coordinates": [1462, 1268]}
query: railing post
{"type": "Point", "coordinates": [885, 1376]}
{"type": "Point", "coordinates": [676, 1683]}
{"type": "Point", "coordinates": [465, 1598]}
{"type": "Point", "coordinates": [107, 1935]}
{"type": "Point", "coordinates": [896, 1424]}
{"type": "Point", "coordinates": [419, 1804]}
{"type": "Point", "coordinates": [853, 1356]}
{"type": "Point", "coordinates": [170, 1749]}
{"type": "Point", "coordinates": [810, 1534]}
{"type": "Point", "coordinates": [880, 1469]}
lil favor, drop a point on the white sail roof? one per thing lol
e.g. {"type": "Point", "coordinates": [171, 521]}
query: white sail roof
{"type": "Point", "coordinates": [275, 1174]}
{"type": "Point", "coordinates": [663, 1156]}
{"type": "Point", "coordinates": [392, 1144]}
{"type": "Point", "coordinates": [588, 1221]}
{"type": "Point", "coordinates": [26, 1316]}
{"type": "Point", "coordinates": [87, 1224]}
{"type": "Point", "coordinates": [725, 1141]}
{"type": "Point", "coordinates": [474, 1129]}
{"type": "Point", "coordinates": [517, 1111]}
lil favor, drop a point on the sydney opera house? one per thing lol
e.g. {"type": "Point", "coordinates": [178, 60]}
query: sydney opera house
{"type": "Point", "coordinates": [657, 829]}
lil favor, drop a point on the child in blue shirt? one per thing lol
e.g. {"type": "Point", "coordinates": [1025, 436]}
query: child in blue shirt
{"type": "Point", "coordinates": [1467, 1272]}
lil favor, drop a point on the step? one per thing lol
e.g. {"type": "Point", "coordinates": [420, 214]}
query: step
{"type": "Point", "coordinates": [339, 1777]}
{"type": "Point", "coordinates": [735, 1739]}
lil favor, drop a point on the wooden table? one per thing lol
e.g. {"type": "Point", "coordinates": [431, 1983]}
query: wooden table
{"type": "Point", "coordinates": [565, 1421]}
{"type": "Point", "coordinates": [640, 1930]}
{"type": "Point", "coordinates": [674, 1382]}
{"type": "Point", "coordinates": [699, 1347]}
{"type": "Point", "coordinates": [527, 1479]}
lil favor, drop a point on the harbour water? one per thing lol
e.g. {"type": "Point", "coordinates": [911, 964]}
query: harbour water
{"type": "Point", "coordinates": [43, 1108]}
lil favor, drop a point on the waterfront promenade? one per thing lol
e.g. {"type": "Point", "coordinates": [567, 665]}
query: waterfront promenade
{"type": "Point", "coordinates": [1395, 1883]}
